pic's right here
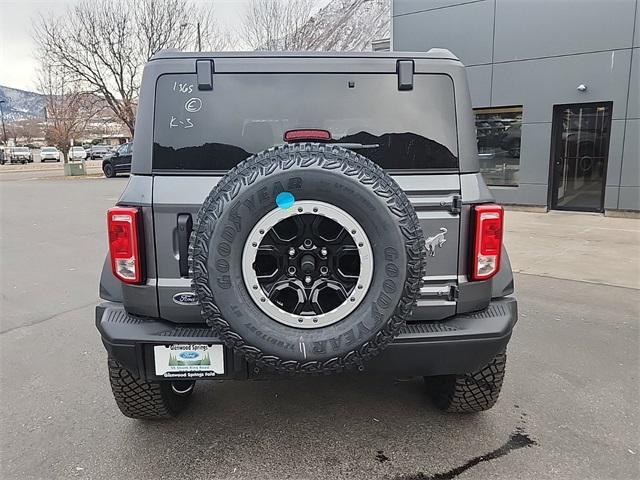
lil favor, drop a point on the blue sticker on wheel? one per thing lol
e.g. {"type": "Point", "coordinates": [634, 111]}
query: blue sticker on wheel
{"type": "Point", "coordinates": [285, 200]}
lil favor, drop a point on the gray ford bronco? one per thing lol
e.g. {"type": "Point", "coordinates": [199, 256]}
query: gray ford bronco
{"type": "Point", "coordinates": [304, 214]}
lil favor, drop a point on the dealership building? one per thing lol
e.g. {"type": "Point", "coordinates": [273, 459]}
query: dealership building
{"type": "Point", "coordinates": [555, 90]}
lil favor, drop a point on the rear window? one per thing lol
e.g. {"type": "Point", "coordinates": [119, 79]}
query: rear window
{"type": "Point", "coordinates": [247, 113]}
{"type": "Point", "coordinates": [21, 149]}
{"type": "Point", "coordinates": [48, 150]}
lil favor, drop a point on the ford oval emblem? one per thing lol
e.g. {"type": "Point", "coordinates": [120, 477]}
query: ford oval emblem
{"type": "Point", "coordinates": [185, 298]}
{"type": "Point", "coordinates": [189, 355]}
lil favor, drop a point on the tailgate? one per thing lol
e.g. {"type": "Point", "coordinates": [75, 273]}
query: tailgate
{"type": "Point", "coordinates": [202, 130]}
{"type": "Point", "coordinates": [434, 197]}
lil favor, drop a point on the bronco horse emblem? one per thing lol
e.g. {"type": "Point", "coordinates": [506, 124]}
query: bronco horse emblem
{"type": "Point", "coordinates": [435, 241]}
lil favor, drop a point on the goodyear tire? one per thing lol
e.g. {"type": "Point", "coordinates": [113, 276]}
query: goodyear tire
{"type": "Point", "coordinates": [470, 392]}
{"type": "Point", "coordinates": [143, 400]}
{"type": "Point", "coordinates": [355, 242]}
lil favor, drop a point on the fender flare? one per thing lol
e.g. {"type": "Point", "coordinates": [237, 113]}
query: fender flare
{"type": "Point", "coordinates": [502, 283]}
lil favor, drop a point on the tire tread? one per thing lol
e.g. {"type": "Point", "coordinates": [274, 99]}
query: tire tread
{"type": "Point", "coordinates": [139, 399]}
{"type": "Point", "coordinates": [471, 392]}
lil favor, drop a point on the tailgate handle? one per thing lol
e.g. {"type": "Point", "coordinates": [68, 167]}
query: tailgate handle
{"type": "Point", "coordinates": [185, 225]}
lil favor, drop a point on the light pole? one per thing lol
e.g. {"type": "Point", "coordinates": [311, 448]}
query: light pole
{"type": "Point", "coordinates": [4, 129]}
{"type": "Point", "coordinates": [198, 36]}
{"type": "Point", "coordinates": [199, 42]}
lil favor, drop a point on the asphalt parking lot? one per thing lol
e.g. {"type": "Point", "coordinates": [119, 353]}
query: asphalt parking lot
{"type": "Point", "coordinates": [569, 408]}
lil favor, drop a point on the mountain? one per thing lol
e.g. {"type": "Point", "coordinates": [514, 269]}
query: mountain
{"type": "Point", "coordinates": [348, 25]}
{"type": "Point", "coordinates": [21, 104]}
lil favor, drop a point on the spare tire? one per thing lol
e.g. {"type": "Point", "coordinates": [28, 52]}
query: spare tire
{"type": "Point", "coordinates": [307, 258]}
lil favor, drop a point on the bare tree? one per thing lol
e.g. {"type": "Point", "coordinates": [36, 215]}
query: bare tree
{"type": "Point", "coordinates": [12, 130]}
{"type": "Point", "coordinates": [24, 130]}
{"type": "Point", "coordinates": [67, 110]}
{"type": "Point", "coordinates": [102, 45]}
{"type": "Point", "coordinates": [31, 129]}
{"type": "Point", "coordinates": [179, 24]}
{"type": "Point", "coordinates": [276, 24]}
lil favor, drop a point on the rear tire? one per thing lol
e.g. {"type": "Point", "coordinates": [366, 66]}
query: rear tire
{"type": "Point", "coordinates": [147, 400]}
{"type": "Point", "coordinates": [471, 392]}
{"type": "Point", "coordinates": [108, 170]}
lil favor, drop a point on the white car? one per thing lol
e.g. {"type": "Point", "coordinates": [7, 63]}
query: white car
{"type": "Point", "coordinates": [49, 153]}
{"type": "Point", "coordinates": [77, 153]}
{"type": "Point", "coordinates": [20, 155]}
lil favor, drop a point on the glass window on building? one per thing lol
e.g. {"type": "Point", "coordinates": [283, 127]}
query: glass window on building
{"type": "Point", "coordinates": [498, 134]}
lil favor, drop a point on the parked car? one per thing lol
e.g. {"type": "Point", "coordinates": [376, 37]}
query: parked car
{"type": "Point", "coordinates": [98, 151]}
{"type": "Point", "coordinates": [297, 233]}
{"type": "Point", "coordinates": [76, 153]}
{"type": "Point", "coordinates": [49, 153]}
{"type": "Point", "coordinates": [20, 155]}
{"type": "Point", "coordinates": [118, 161]}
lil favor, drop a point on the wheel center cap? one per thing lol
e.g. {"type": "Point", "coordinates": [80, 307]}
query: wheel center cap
{"type": "Point", "coordinates": [308, 263]}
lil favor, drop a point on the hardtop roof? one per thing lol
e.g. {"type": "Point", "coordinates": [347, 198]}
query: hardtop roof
{"type": "Point", "coordinates": [433, 54]}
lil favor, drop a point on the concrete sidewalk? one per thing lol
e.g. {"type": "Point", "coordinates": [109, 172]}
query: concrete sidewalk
{"type": "Point", "coordinates": [575, 246]}
{"type": "Point", "coordinates": [46, 167]}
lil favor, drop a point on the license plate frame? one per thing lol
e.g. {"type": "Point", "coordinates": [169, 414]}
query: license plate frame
{"type": "Point", "coordinates": [189, 360]}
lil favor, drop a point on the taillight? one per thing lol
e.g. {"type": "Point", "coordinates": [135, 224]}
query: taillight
{"type": "Point", "coordinates": [124, 244]}
{"type": "Point", "coordinates": [307, 135]}
{"type": "Point", "coordinates": [487, 245]}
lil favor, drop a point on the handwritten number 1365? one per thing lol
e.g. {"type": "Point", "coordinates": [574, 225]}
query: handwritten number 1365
{"type": "Point", "coordinates": [182, 87]}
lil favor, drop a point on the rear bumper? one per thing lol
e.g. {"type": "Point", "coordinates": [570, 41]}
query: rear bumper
{"type": "Point", "coordinates": [456, 345]}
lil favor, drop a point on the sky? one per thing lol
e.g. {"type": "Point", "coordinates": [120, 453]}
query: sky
{"type": "Point", "coordinates": [18, 67]}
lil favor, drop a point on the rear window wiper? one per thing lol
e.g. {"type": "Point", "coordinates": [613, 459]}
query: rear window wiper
{"type": "Point", "coordinates": [355, 146]}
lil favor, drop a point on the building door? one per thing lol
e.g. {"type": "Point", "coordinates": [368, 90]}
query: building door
{"type": "Point", "coordinates": [579, 152]}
